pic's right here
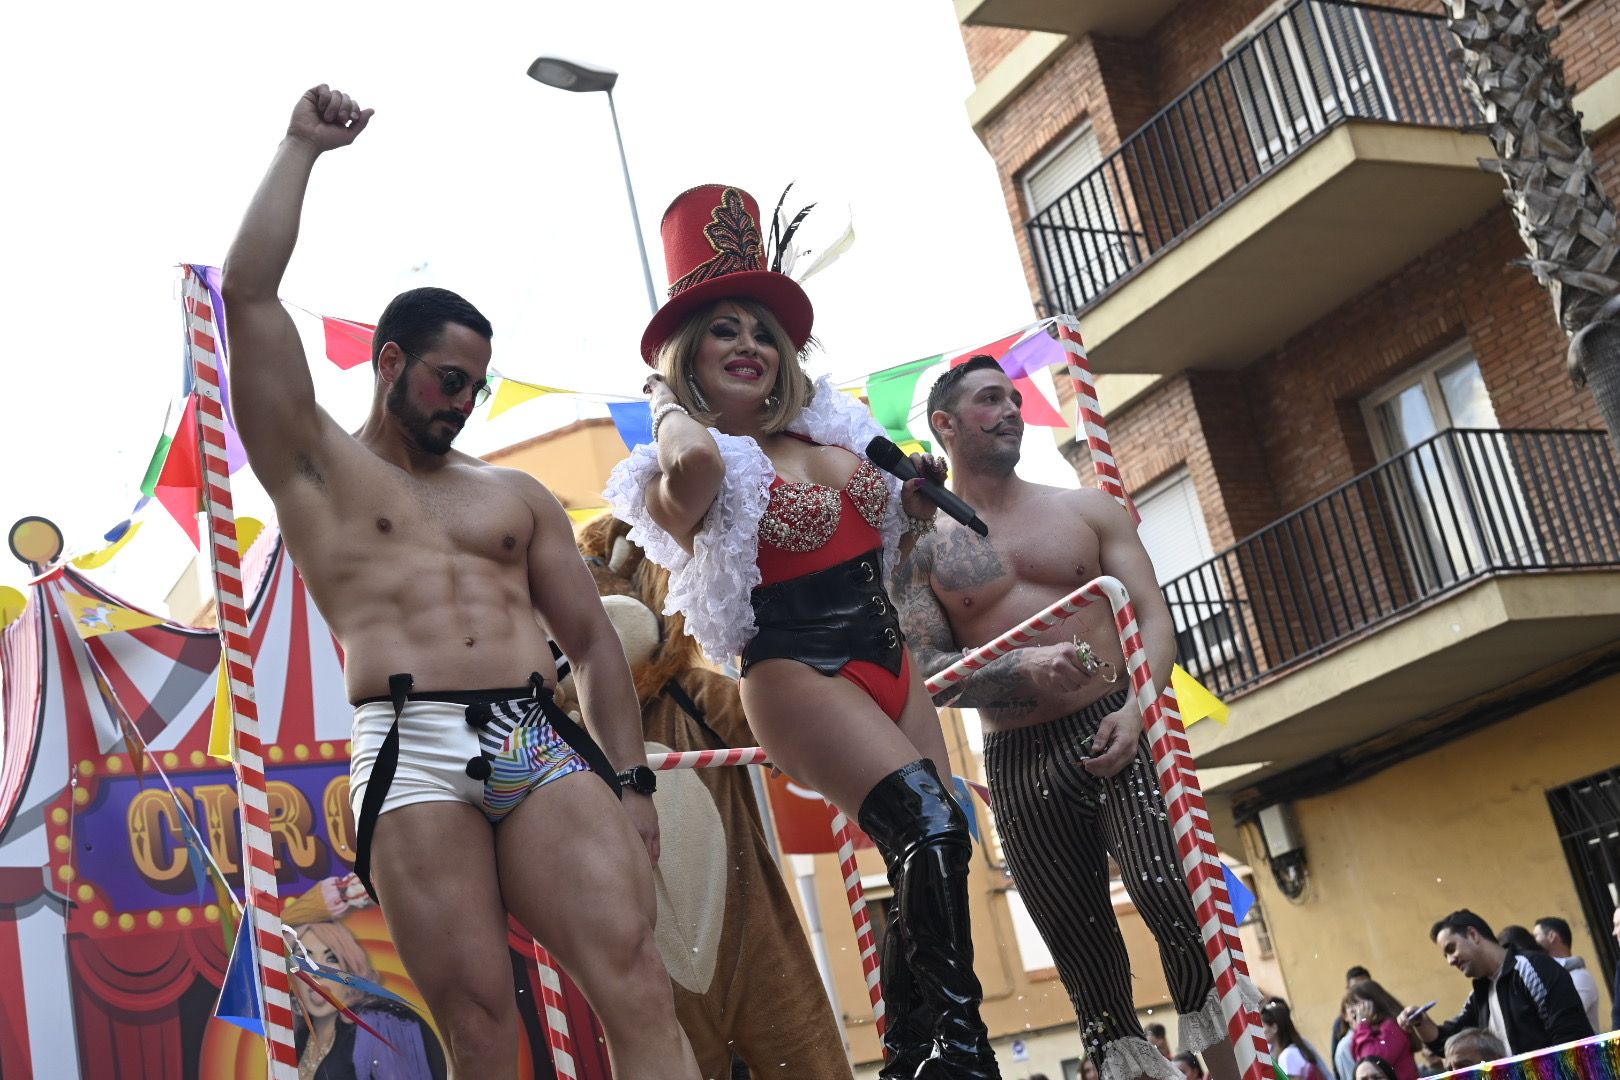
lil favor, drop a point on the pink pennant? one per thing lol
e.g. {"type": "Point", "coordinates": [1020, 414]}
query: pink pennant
{"type": "Point", "coordinates": [348, 344]}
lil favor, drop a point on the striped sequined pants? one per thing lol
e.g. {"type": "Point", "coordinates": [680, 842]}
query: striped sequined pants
{"type": "Point", "coordinates": [1059, 825]}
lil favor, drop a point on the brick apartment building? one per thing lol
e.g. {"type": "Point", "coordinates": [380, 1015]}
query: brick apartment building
{"type": "Point", "coordinates": [1387, 522]}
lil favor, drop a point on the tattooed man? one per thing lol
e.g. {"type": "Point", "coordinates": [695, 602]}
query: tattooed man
{"type": "Point", "coordinates": [1071, 781]}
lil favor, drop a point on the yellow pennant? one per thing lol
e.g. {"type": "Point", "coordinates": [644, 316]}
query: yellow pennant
{"type": "Point", "coordinates": [92, 617]}
{"type": "Point", "coordinates": [581, 514]}
{"type": "Point", "coordinates": [511, 393]}
{"type": "Point", "coordinates": [12, 604]}
{"type": "Point", "coordinates": [1195, 700]}
{"type": "Point", "coordinates": [101, 558]}
{"type": "Point", "coordinates": [222, 732]}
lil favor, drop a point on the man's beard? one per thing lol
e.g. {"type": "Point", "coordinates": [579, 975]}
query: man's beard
{"type": "Point", "coordinates": [996, 456]}
{"type": "Point", "coordinates": [419, 425]}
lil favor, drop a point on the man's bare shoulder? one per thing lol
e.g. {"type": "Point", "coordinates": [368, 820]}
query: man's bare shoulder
{"type": "Point", "coordinates": [525, 485]}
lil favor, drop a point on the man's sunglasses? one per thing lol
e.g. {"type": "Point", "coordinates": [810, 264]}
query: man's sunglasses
{"type": "Point", "coordinates": [452, 381]}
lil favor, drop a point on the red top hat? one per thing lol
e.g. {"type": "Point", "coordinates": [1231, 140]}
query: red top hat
{"type": "Point", "coordinates": [714, 251]}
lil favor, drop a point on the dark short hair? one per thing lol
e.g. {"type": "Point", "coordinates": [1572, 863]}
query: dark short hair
{"type": "Point", "coordinates": [1191, 1059]}
{"type": "Point", "coordinates": [1357, 972]}
{"type": "Point", "coordinates": [1554, 925]}
{"type": "Point", "coordinates": [1156, 1030]}
{"type": "Point", "coordinates": [415, 320]}
{"type": "Point", "coordinates": [1518, 939]}
{"type": "Point", "coordinates": [947, 389]}
{"type": "Point", "coordinates": [1381, 1064]}
{"type": "Point", "coordinates": [1460, 922]}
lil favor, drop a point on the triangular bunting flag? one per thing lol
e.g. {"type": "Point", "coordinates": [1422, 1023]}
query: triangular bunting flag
{"type": "Point", "coordinates": [239, 996]}
{"type": "Point", "coordinates": [179, 483]}
{"type": "Point", "coordinates": [890, 393]}
{"type": "Point", "coordinates": [1194, 701]}
{"type": "Point", "coordinates": [1242, 899]}
{"type": "Point", "coordinates": [222, 729]}
{"type": "Point", "coordinates": [348, 344]}
{"type": "Point", "coordinates": [92, 617]}
{"type": "Point", "coordinates": [97, 559]}
{"type": "Point", "coordinates": [154, 467]}
{"type": "Point", "coordinates": [200, 865]}
{"type": "Point", "coordinates": [634, 421]}
{"type": "Point", "coordinates": [511, 393]}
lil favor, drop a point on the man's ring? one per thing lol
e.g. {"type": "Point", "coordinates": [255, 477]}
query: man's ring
{"type": "Point", "coordinates": [1094, 664]}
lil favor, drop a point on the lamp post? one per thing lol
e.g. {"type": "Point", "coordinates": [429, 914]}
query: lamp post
{"type": "Point", "coordinates": [580, 78]}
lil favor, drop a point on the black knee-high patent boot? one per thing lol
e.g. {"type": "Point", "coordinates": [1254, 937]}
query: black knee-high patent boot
{"type": "Point", "coordinates": [908, 1029]}
{"type": "Point", "coordinates": [921, 830]}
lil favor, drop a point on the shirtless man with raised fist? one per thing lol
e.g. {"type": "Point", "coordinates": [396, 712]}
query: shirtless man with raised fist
{"type": "Point", "coordinates": [474, 795]}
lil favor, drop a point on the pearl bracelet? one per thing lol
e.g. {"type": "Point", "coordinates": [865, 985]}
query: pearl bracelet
{"type": "Point", "coordinates": [917, 526]}
{"type": "Point", "coordinates": [663, 411]}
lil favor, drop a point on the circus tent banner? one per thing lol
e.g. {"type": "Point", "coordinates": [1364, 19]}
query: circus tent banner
{"type": "Point", "coordinates": [102, 928]}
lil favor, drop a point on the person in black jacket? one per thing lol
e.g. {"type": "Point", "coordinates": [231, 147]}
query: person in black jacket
{"type": "Point", "coordinates": [1614, 1013]}
{"type": "Point", "coordinates": [1526, 999]}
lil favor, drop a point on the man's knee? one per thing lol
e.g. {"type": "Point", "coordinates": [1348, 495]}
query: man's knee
{"type": "Point", "coordinates": [627, 965]}
{"type": "Point", "coordinates": [479, 1022]}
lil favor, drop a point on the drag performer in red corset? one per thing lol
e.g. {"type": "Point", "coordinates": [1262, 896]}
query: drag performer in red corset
{"type": "Point", "coordinates": [777, 534]}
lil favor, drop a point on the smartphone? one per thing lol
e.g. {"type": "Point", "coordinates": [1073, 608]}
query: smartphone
{"type": "Point", "coordinates": [1423, 1009]}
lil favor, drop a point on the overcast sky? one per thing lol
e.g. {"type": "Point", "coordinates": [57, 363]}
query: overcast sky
{"type": "Point", "coordinates": [137, 133]}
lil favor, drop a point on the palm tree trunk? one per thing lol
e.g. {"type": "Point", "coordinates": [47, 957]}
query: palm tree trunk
{"type": "Point", "coordinates": [1569, 226]}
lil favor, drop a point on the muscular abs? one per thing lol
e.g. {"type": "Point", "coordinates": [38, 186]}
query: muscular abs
{"type": "Point", "coordinates": [421, 575]}
{"type": "Point", "coordinates": [986, 586]}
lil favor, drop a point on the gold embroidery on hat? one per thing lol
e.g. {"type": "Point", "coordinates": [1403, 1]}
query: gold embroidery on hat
{"type": "Point", "coordinates": [734, 235]}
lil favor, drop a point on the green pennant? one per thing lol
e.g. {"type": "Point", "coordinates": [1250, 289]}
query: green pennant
{"type": "Point", "coordinates": [154, 468]}
{"type": "Point", "coordinates": [890, 392]}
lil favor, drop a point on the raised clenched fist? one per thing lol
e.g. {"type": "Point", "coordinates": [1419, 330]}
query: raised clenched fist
{"type": "Point", "coordinates": [327, 119]}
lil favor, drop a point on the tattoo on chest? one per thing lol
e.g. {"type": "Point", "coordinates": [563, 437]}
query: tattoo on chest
{"type": "Point", "coordinates": [965, 560]}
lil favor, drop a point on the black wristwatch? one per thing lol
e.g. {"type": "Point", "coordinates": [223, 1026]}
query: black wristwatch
{"type": "Point", "coordinates": [640, 779]}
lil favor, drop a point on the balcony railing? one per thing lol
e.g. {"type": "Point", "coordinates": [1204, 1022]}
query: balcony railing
{"type": "Point", "coordinates": [1318, 64]}
{"type": "Point", "coordinates": [1460, 506]}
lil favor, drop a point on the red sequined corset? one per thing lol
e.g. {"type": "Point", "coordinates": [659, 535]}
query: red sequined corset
{"type": "Point", "coordinates": [809, 527]}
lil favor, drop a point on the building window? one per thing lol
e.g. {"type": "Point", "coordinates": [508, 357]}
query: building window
{"type": "Point", "coordinates": [1090, 253]}
{"type": "Point", "coordinates": [1300, 67]}
{"type": "Point", "coordinates": [1587, 814]}
{"type": "Point", "coordinates": [1456, 493]}
{"type": "Point", "coordinates": [1176, 539]}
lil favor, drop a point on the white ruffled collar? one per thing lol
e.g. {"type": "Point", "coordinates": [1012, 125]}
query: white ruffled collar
{"type": "Point", "coordinates": [711, 586]}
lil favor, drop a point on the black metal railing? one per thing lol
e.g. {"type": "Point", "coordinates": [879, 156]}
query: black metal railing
{"type": "Point", "coordinates": [1464, 504]}
{"type": "Point", "coordinates": [1319, 63]}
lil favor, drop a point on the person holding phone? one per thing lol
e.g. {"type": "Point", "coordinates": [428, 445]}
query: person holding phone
{"type": "Point", "coordinates": [1376, 1032]}
{"type": "Point", "coordinates": [1525, 999]}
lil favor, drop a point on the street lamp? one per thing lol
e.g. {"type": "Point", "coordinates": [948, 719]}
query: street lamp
{"type": "Point", "coordinates": [580, 78]}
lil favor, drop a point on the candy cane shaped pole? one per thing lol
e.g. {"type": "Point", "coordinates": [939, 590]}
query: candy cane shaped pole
{"type": "Point", "coordinates": [865, 940]}
{"type": "Point", "coordinates": [551, 1001]}
{"type": "Point", "coordinates": [1172, 755]}
{"type": "Point", "coordinates": [259, 866]}
{"type": "Point", "coordinates": [706, 759]}
{"type": "Point", "coordinates": [1088, 416]}
{"type": "Point", "coordinates": [1189, 819]}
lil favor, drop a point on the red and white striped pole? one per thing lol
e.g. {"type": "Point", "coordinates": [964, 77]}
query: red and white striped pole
{"type": "Point", "coordinates": [1173, 762]}
{"type": "Point", "coordinates": [556, 1021]}
{"type": "Point", "coordinates": [865, 940]}
{"type": "Point", "coordinates": [259, 864]}
{"type": "Point", "coordinates": [707, 759]}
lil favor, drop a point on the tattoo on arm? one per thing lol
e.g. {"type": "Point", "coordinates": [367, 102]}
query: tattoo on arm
{"type": "Point", "coordinates": [960, 560]}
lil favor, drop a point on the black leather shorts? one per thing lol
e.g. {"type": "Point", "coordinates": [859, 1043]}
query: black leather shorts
{"type": "Point", "coordinates": [828, 618]}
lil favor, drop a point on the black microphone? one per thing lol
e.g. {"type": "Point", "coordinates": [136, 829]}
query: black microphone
{"type": "Point", "coordinates": [888, 457]}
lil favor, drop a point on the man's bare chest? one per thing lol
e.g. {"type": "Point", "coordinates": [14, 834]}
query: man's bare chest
{"type": "Point", "coordinates": [970, 572]}
{"type": "Point", "coordinates": [378, 511]}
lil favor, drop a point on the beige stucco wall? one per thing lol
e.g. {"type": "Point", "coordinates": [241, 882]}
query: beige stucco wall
{"type": "Point", "coordinates": [1465, 825]}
